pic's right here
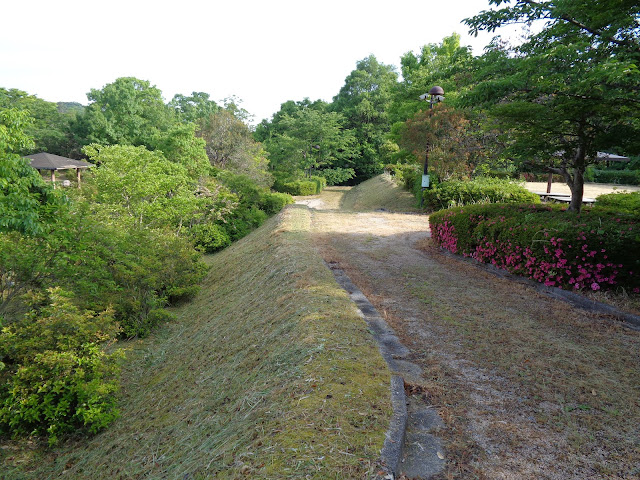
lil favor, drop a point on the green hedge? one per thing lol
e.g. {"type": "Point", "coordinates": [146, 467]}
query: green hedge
{"type": "Point", "coordinates": [589, 250]}
{"type": "Point", "coordinates": [623, 177]}
{"type": "Point", "coordinates": [310, 186]}
{"type": "Point", "coordinates": [479, 190]}
{"type": "Point", "coordinates": [621, 202]}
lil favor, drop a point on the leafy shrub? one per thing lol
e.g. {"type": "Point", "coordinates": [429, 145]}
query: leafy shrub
{"type": "Point", "coordinates": [55, 376]}
{"type": "Point", "coordinates": [321, 182]}
{"type": "Point", "coordinates": [479, 190]}
{"type": "Point", "coordinates": [621, 202]}
{"type": "Point", "coordinates": [337, 176]}
{"type": "Point", "coordinates": [297, 187]}
{"type": "Point", "coordinates": [272, 203]}
{"type": "Point", "coordinates": [589, 250]}
{"type": "Point", "coordinates": [243, 221]}
{"type": "Point", "coordinates": [210, 237]}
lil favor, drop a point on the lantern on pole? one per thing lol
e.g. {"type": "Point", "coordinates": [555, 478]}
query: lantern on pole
{"type": "Point", "coordinates": [435, 95]}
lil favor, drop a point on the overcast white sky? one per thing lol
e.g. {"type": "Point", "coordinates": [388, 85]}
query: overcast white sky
{"type": "Point", "coordinates": [264, 52]}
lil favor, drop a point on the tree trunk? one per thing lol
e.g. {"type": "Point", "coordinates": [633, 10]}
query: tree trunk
{"type": "Point", "coordinates": [577, 189]}
{"type": "Point", "coordinates": [577, 182]}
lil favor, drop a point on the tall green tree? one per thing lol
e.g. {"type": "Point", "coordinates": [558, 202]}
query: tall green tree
{"type": "Point", "coordinates": [312, 140]}
{"type": "Point", "coordinates": [195, 107]}
{"type": "Point", "coordinates": [447, 64]}
{"type": "Point", "coordinates": [128, 111]}
{"type": "Point", "coordinates": [566, 92]}
{"type": "Point", "coordinates": [364, 100]}
{"type": "Point", "coordinates": [49, 128]}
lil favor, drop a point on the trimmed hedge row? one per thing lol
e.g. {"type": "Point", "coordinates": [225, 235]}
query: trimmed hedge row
{"type": "Point", "coordinates": [587, 251]}
{"type": "Point", "coordinates": [479, 190]}
{"type": "Point", "coordinates": [624, 177]}
{"type": "Point", "coordinates": [301, 187]}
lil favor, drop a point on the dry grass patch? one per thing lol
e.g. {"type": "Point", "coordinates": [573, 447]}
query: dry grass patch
{"type": "Point", "coordinates": [268, 373]}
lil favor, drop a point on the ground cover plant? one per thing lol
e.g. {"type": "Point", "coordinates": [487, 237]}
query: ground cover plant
{"type": "Point", "coordinates": [589, 251]}
{"type": "Point", "coordinates": [622, 202]}
{"type": "Point", "coordinates": [268, 373]}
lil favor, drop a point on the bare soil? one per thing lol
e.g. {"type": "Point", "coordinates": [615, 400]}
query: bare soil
{"type": "Point", "coordinates": [529, 387]}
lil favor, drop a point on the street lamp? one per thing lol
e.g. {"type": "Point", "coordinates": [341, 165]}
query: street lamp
{"type": "Point", "coordinates": [435, 95]}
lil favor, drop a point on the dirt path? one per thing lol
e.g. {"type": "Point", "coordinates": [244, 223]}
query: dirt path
{"type": "Point", "coordinates": [528, 387]}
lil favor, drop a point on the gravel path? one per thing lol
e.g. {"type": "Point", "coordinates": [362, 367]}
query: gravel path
{"type": "Point", "coordinates": [521, 380]}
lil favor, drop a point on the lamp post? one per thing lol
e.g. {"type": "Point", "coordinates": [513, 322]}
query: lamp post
{"type": "Point", "coordinates": [435, 95]}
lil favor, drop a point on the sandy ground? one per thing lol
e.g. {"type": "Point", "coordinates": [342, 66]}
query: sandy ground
{"type": "Point", "coordinates": [591, 190]}
{"type": "Point", "coordinates": [486, 345]}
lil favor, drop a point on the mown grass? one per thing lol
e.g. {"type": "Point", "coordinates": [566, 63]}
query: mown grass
{"type": "Point", "coordinates": [379, 192]}
{"type": "Point", "coordinates": [268, 373]}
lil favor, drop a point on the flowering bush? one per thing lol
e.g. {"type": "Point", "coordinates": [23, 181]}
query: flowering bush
{"type": "Point", "coordinates": [597, 249]}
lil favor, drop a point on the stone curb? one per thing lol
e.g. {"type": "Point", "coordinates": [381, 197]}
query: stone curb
{"type": "Point", "coordinates": [391, 349]}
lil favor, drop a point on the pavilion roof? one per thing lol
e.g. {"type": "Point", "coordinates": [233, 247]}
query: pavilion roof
{"type": "Point", "coordinates": [49, 161]}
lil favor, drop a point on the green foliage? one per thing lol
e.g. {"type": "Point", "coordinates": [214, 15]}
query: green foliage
{"type": "Point", "coordinates": [143, 188]}
{"type": "Point", "coordinates": [568, 91]}
{"type": "Point", "coordinates": [624, 177]}
{"type": "Point", "coordinates": [230, 146]}
{"type": "Point", "coordinates": [620, 202]}
{"type": "Point", "coordinates": [55, 376]}
{"type": "Point", "coordinates": [180, 145]}
{"type": "Point", "coordinates": [128, 111]}
{"type": "Point", "coordinates": [194, 108]}
{"type": "Point", "coordinates": [26, 202]}
{"type": "Point", "coordinates": [364, 100]}
{"type": "Point", "coordinates": [297, 187]}
{"type": "Point", "coordinates": [447, 64]}
{"type": "Point", "coordinates": [210, 237]}
{"type": "Point", "coordinates": [49, 128]}
{"type": "Point", "coordinates": [311, 139]}
{"type": "Point", "coordinates": [272, 203]}
{"type": "Point", "coordinates": [479, 190]}
{"type": "Point", "coordinates": [338, 175]}
{"type": "Point", "coordinates": [243, 221]}
{"type": "Point", "coordinates": [581, 251]}
{"type": "Point", "coordinates": [321, 182]}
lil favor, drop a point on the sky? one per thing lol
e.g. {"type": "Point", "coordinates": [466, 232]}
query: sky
{"type": "Point", "coordinates": [263, 52]}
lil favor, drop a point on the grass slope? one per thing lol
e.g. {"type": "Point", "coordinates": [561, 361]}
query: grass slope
{"type": "Point", "coordinates": [268, 373]}
{"type": "Point", "coordinates": [379, 192]}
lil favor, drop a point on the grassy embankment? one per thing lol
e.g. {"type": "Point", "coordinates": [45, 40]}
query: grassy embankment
{"type": "Point", "coordinates": [380, 192]}
{"type": "Point", "coordinates": [268, 373]}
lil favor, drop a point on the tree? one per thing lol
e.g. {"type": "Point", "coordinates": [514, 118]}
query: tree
{"type": "Point", "coordinates": [230, 146]}
{"type": "Point", "coordinates": [446, 64]}
{"type": "Point", "coordinates": [446, 135]}
{"type": "Point", "coordinates": [364, 100]}
{"type": "Point", "coordinates": [570, 90]}
{"type": "Point", "coordinates": [312, 140]}
{"type": "Point", "coordinates": [194, 108]}
{"type": "Point", "coordinates": [128, 111]}
{"type": "Point", "coordinates": [142, 188]}
{"type": "Point", "coordinates": [181, 145]}
{"type": "Point", "coordinates": [49, 128]}
{"type": "Point", "coordinates": [26, 202]}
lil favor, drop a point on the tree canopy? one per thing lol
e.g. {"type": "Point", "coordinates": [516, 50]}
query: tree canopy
{"type": "Point", "coordinates": [567, 92]}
